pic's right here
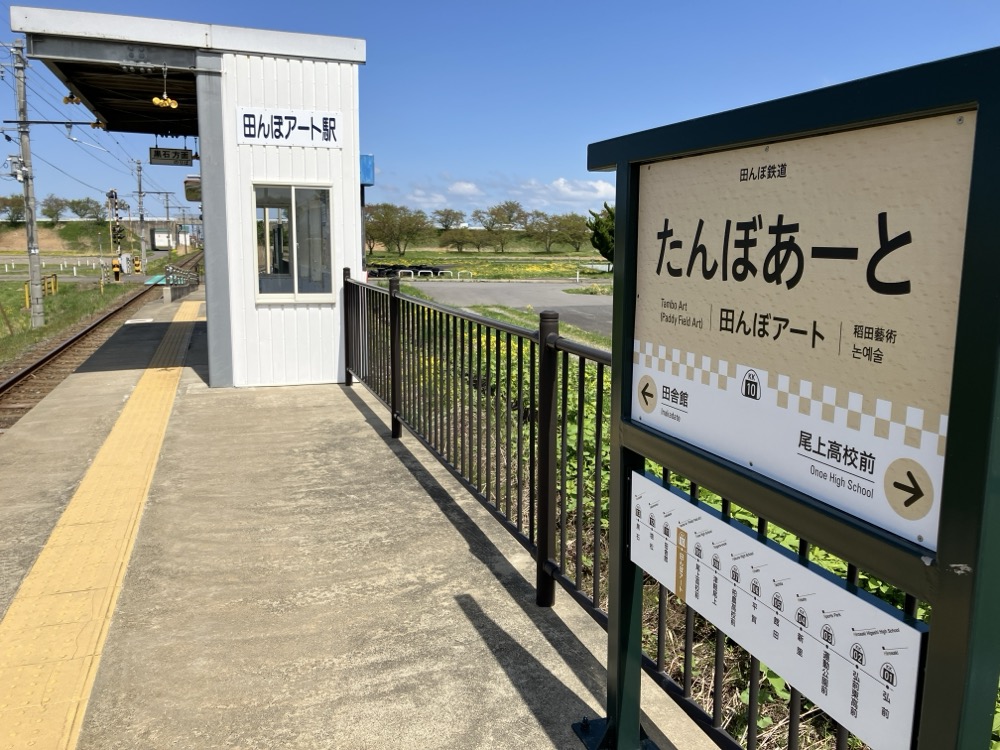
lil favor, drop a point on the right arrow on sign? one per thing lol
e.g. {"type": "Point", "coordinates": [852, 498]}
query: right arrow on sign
{"type": "Point", "coordinates": [913, 489]}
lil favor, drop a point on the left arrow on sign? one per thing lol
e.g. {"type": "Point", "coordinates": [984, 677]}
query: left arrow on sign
{"type": "Point", "coordinates": [646, 393]}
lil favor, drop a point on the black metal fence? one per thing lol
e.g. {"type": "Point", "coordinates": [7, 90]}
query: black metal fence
{"type": "Point", "coordinates": [523, 418]}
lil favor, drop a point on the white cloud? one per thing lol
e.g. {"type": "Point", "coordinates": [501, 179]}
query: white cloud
{"type": "Point", "coordinates": [559, 196]}
{"type": "Point", "coordinates": [566, 195]}
{"type": "Point", "coordinates": [464, 188]}
{"type": "Point", "coordinates": [426, 200]}
{"type": "Point", "coordinates": [576, 190]}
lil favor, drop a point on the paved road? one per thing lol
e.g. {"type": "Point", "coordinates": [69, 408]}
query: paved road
{"type": "Point", "coordinates": [590, 312]}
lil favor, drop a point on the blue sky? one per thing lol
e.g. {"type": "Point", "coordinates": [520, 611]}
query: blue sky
{"type": "Point", "coordinates": [468, 104]}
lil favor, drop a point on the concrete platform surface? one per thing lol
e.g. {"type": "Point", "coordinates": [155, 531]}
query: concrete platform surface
{"type": "Point", "coordinates": [301, 580]}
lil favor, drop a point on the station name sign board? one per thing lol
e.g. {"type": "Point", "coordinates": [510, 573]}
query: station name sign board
{"type": "Point", "coordinates": [175, 157]}
{"type": "Point", "coordinates": [261, 126]}
{"type": "Point", "coordinates": [796, 311]}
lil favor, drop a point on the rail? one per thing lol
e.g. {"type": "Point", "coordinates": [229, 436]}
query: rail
{"type": "Point", "coordinates": [522, 417]}
{"type": "Point", "coordinates": [68, 343]}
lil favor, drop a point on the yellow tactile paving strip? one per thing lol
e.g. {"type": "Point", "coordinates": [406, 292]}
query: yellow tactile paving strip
{"type": "Point", "coordinates": [54, 631]}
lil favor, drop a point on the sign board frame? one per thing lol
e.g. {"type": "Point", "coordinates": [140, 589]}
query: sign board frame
{"type": "Point", "coordinates": [962, 662]}
{"type": "Point", "coordinates": [174, 157]}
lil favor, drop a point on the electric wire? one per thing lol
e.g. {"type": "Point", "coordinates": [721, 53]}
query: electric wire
{"type": "Point", "coordinates": [97, 190]}
{"type": "Point", "coordinates": [128, 165]}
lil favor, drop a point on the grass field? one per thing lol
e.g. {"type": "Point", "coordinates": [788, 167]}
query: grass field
{"type": "Point", "coordinates": [75, 301]}
{"type": "Point", "coordinates": [72, 303]}
{"type": "Point", "coordinates": [517, 263]}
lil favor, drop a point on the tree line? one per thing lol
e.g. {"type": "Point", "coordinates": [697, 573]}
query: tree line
{"type": "Point", "coordinates": [53, 208]}
{"type": "Point", "coordinates": [397, 227]}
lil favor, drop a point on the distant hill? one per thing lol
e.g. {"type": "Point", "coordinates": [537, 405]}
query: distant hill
{"type": "Point", "coordinates": [65, 239]}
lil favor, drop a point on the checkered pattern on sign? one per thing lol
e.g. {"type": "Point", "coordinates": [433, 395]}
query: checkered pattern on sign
{"type": "Point", "coordinates": [897, 423]}
{"type": "Point", "coordinates": [696, 368]}
{"type": "Point", "coordinates": [884, 419]}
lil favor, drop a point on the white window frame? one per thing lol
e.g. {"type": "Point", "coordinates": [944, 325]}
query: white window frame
{"type": "Point", "coordinates": [295, 297]}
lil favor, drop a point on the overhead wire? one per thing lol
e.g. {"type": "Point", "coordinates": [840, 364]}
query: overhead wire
{"type": "Point", "coordinates": [97, 190]}
{"type": "Point", "coordinates": [129, 165]}
{"type": "Point", "coordinates": [60, 113]}
{"type": "Point", "coordinates": [34, 108]}
{"type": "Point", "coordinates": [128, 162]}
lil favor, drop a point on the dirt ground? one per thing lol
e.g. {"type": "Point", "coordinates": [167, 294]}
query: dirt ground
{"type": "Point", "coordinates": [49, 243]}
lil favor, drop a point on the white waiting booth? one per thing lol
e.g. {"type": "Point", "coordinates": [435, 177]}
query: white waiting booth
{"type": "Point", "coordinates": [276, 117]}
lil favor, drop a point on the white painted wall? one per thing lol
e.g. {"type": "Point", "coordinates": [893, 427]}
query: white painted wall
{"type": "Point", "coordinates": [289, 343]}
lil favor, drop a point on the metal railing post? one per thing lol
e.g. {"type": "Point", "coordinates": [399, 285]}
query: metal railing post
{"type": "Point", "coordinates": [348, 333]}
{"type": "Point", "coordinates": [395, 350]}
{"type": "Point", "coordinates": [548, 358]}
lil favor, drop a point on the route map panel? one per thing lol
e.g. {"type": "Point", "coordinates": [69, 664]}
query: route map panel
{"type": "Point", "coordinates": [852, 658]}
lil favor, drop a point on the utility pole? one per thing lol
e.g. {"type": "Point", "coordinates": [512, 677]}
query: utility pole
{"type": "Point", "coordinates": [27, 178]}
{"type": "Point", "coordinates": [142, 216]}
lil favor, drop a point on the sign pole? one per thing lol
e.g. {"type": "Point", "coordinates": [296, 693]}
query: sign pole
{"type": "Point", "coordinates": [622, 730]}
{"type": "Point", "coordinates": [806, 323]}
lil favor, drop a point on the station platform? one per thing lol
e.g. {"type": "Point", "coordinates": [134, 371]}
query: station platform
{"type": "Point", "coordinates": [186, 567]}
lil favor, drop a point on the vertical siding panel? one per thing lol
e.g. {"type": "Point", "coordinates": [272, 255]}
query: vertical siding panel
{"type": "Point", "coordinates": [290, 315]}
{"type": "Point", "coordinates": [232, 93]}
{"type": "Point", "coordinates": [282, 78]}
{"type": "Point", "coordinates": [266, 358]}
{"type": "Point", "coordinates": [308, 81]}
{"type": "Point", "coordinates": [291, 343]}
{"type": "Point", "coordinates": [278, 342]}
{"type": "Point", "coordinates": [268, 82]}
{"type": "Point", "coordinates": [251, 340]}
{"type": "Point", "coordinates": [296, 95]}
{"type": "Point", "coordinates": [317, 366]}
{"type": "Point", "coordinates": [328, 334]}
{"type": "Point", "coordinates": [308, 352]}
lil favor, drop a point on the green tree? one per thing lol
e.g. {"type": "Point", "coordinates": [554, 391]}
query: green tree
{"type": "Point", "coordinates": [395, 227]}
{"type": "Point", "coordinates": [87, 208]}
{"type": "Point", "coordinates": [539, 226]}
{"type": "Point", "coordinates": [370, 241]}
{"type": "Point", "coordinates": [13, 208]}
{"type": "Point", "coordinates": [448, 218]}
{"type": "Point", "coordinates": [501, 222]}
{"type": "Point", "coordinates": [602, 227]}
{"type": "Point", "coordinates": [460, 238]}
{"type": "Point", "coordinates": [573, 230]}
{"type": "Point", "coordinates": [53, 208]}
{"type": "Point", "coordinates": [479, 239]}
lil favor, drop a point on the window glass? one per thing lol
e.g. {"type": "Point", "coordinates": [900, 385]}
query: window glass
{"type": "Point", "coordinates": [312, 241]}
{"type": "Point", "coordinates": [294, 251]}
{"type": "Point", "coordinates": [274, 240]}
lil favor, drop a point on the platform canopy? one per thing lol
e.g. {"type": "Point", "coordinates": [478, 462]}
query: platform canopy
{"type": "Point", "coordinates": [117, 64]}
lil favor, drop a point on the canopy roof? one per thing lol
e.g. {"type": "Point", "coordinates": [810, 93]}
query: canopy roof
{"type": "Point", "coordinates": [116, 64]}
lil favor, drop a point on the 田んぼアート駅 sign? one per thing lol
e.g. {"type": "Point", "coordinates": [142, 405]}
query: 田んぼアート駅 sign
{"type": "Point", "coordinates": [796, 310]}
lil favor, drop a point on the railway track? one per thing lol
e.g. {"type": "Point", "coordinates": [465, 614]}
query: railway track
{"type": "Point", "coordinates": [34, 380]}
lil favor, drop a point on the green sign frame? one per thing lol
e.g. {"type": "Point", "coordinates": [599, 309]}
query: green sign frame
{"type": "Point", "coordinates": [961, 666]}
